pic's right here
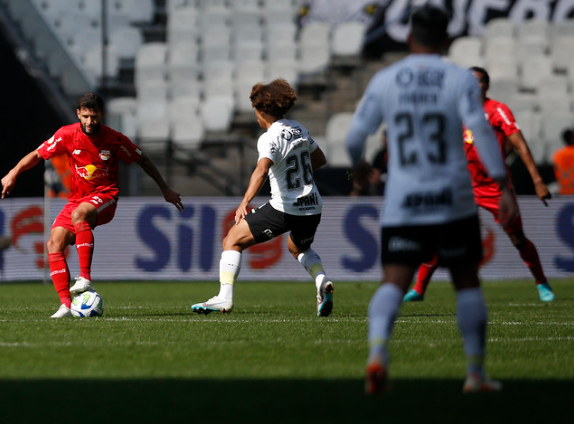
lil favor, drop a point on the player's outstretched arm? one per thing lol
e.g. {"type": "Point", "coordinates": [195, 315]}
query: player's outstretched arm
{"type": "Point", "coordinates": [27, 162]}
{"type": "Point", "coordinates": [519, 143]}
{"type": "Point", "coordinates": [257, 179]}
{"type": "Point", "coordinates": [169, 195]}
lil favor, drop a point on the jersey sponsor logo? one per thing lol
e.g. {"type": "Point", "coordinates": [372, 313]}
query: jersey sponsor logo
{"type": "Point", "coordinates": [467, 136]}
{"type": "Point", "coordinates": [53, 143]}
{"type": "Point", "coordinates": [419, 98]}
{"type": "Point", "coordinates": [400, 244]}
{"type": "Point", "coordinates": [288, 134]}
{"type": "Point", "coordinates": [105, 154]}
{"type": "Point", "coordinates": [429, 200]}
{"type": "Point", "coordinates": [90, 172]}
{"type": "Point", "coordinates": [405, 77]}
{"type": "Point", "coordinates": [308, 200]}
{"type": "Point", "coordinates": [76, 152]}
{"type": "Point", "coordinates": [431, 78]}
{"type": "Point", "coordinates": [126, 151]}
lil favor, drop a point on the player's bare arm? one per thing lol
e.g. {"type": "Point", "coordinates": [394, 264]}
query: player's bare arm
{"type": "Point", "coordinates": [27, 162]}
{"type": "Point", "coordinates": [169, 195]}
{"type": "Point", "coordinates": [257, 179]}
{"type": "Point", "coordinates": [519, 143]}
{"type": "Point", "coordinates": [318, 159]}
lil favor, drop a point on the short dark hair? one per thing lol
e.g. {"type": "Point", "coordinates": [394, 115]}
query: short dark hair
{"type": "Point", "coordinates": [567, 136]}
{"type": "Point", "coordinates": [485, 77]}
{"type": "Point", "coordinates": [429, 25]}
{"type": "Point", "coordinates": [91, 101]}
{"type": "Point", "coordinates": [275, 98]}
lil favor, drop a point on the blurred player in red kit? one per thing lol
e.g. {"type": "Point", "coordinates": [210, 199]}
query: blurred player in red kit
{"type": "Point", "coordinates": [487, 192]}
{"type": "Point", "coordinates": [94, 152]}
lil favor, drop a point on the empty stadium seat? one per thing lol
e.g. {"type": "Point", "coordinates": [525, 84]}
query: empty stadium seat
{"type": "Point", "coordinates": [336, 131]}
{"type": "Point", "coordinates": [499, 27]}
{"type": "Point", "coordinates": [347, 41]}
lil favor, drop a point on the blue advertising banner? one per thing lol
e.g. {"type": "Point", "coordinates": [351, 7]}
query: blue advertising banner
{"type": "Point", "coordinates": [150, 240]}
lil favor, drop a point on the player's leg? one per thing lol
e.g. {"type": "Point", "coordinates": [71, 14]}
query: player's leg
{"type": "Point", "coordinates": [424, 275]}
{"type": "Point", "coordinates": [303, 230]}
{"type": "Point", "coordinates": [399, 265]}
{"type": "Point", "coordinates": [383, 309]}
{"type": "Point", "coordinates": [525, 247]}
{"type": "Point", "coordinates": [84, 219]}
{"type": "Point", "coordinates": [90, 212]}
{"type": "Point", "coordinates": [529, 255]}
{"type": "Point", "coordinates": [461, 253]}
{"type": "Point", "coordinates": [238, 239]}
{"type": "Point", "coordinates": [60, 237]}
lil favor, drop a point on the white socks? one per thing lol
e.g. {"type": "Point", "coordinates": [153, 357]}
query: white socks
{"type": "Point", "coordinates": [229, 267]}
{"type": "Point", "coordinates": [312, 263]}
{"type": "Point", "coordinates": [383, 310]}
{"type": "Point", "coordinates": [472, 318]}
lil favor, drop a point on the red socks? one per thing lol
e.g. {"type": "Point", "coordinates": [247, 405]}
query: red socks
{"type": "Point", "coordinates": [529, 255]}
{"type": "Point", "coordinates": [85, 247]}
{"type": "Point", "coordinates": [426, 270]}
{"type": "Point", "coordinates": [60, 275]}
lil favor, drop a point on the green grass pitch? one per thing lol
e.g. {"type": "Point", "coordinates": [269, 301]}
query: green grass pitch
{"type": "Point", "coordinates": [149, 359]}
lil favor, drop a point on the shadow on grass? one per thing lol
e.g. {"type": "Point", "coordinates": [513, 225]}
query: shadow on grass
{"type": "Point", "coordinates": [278, 401]}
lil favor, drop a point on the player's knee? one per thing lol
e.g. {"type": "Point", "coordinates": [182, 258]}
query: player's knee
{"type": "Point", "coordinates": [53, 245]}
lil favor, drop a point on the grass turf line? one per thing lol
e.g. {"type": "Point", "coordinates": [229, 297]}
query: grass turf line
{"type": "Point", "coordinates": [150, 359]}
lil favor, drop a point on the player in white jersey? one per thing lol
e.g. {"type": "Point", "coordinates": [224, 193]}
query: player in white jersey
{"type": "Point", "coordinates": [429, 207]}
{"type": "Point", "coordinates": [289, 156]}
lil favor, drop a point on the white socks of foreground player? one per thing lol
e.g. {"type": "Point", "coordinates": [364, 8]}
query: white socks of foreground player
{"type": "Point", "coordinates": [229, 267]}
{"type": "Point", "coordinates": [383, 310]}
{"type": "Point", "coordinates": [312, 263]}
{"type": "Point", "coordinates": [471, 318]}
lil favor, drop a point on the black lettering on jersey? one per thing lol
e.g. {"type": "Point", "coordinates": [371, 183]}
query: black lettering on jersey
{"type": "Point", "coordinates": [418, 98]}
{"type": "Point", "coordinates": [428, 200]}
{"type": "Point", "coordinates": [430, 78]}
{"type": "Point", "coordinates": [309, 200]}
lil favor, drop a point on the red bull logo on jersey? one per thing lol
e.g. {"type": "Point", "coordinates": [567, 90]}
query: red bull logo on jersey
{"type": "Point", "coordinates": [467, 136]}
{"type": "Point", "coordinates": [90, 172]}
{"type": "Point", "coordinates": [105, 154]}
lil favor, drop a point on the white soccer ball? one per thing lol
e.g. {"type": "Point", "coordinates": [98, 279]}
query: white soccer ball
{"type": "Point", "coordinates": [87, 304]}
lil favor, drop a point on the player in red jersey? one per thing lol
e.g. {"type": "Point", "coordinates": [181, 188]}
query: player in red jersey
{"type": "Point", "coordinates": [487, 192]}
{"type": "Point", "coordinates": [94, 152]}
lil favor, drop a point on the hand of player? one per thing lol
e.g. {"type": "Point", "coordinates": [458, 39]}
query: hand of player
{"type": "Point", "coordinates": [241, 212]}
{"type": "Point", "coordinates": [542, 192]}
{"type": "Point", "coordinates": [173, 198]}
{"type": "Point", "coordinates": [508, 208]}
{"type": "Point", "coordinates": [7, 184]}
{"type": "Point", "coordinates": [361, 176]}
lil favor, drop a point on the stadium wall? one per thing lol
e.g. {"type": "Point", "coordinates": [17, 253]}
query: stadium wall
{"type": "Point", "coordinates": [150, 240]}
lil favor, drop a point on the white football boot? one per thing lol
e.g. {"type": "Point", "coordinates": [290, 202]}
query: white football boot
{"type": "Point", "coordinates": [82, 284]}
{"type": "Point", "coordinates": [325, 299]}
{"type": "Point", "coordinates": [215, 304]}
{"type": "Point", "coordinates": [62, 312]}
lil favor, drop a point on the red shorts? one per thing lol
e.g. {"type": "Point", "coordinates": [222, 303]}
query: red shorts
{"type": "Point", "coordinates": [105, 205]}
{"type": "Point", "coordinates": [488, 197]}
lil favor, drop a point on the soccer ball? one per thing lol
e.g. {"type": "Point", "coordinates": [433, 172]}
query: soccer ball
{"type": "Point", "coordinates": [87, 304]}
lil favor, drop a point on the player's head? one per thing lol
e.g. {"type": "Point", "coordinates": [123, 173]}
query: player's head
{"type": "Point", "coordinates": [429, 26]}
{"type": "Point", "coordinates": [568, 137]}
{"type": "Point", "coordinates": [482, 77]}
{"type": "Point", "coordinates": [274, 99]}
{"type": "Point", "coordinates": [90, 112]}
